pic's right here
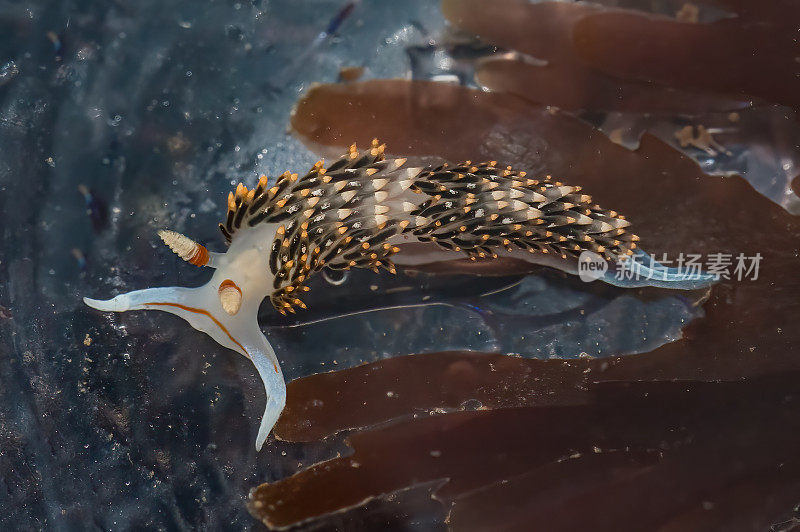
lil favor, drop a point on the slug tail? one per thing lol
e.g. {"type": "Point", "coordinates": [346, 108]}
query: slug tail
{"type": "Point", "coordinates": [644, 270]}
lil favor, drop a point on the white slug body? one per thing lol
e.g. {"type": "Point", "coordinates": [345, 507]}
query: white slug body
{"type": "Point", "coordinates": [230, 320]}
{"type": "Point", "coordinates": [362, 211]}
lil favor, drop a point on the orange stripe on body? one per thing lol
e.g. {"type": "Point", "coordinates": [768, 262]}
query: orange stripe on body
{"type": "Point", "coordinates": [207, 313]}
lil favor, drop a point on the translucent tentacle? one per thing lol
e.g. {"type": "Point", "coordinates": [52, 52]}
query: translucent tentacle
{"type": "Point", "coordinates": [270, 372]}
{"type": "Point", "coordinates": [137, 299]}
{"type": "Point", "coordinates": [643, 270]}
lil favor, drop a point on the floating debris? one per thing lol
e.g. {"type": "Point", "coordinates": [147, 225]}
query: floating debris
{"type": "Point", "coordinates": [7, 72]}
{"type": "Point", "coordinates": [95, 208]}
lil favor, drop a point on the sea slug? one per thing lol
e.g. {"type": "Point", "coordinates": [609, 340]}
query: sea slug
{"type": "Point", "coordinates": [367, 211]}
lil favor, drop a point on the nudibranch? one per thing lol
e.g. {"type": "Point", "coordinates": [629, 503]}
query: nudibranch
{"type": "Point", "coordinates": [367, 211]}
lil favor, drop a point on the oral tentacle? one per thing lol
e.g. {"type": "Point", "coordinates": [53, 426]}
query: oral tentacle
{"type": "Point", "coordinates": [270, 372]}
{"type": "Point", "coordinates": [195, 305]}
{"type": "Point", "coordinates": [139, 299]}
